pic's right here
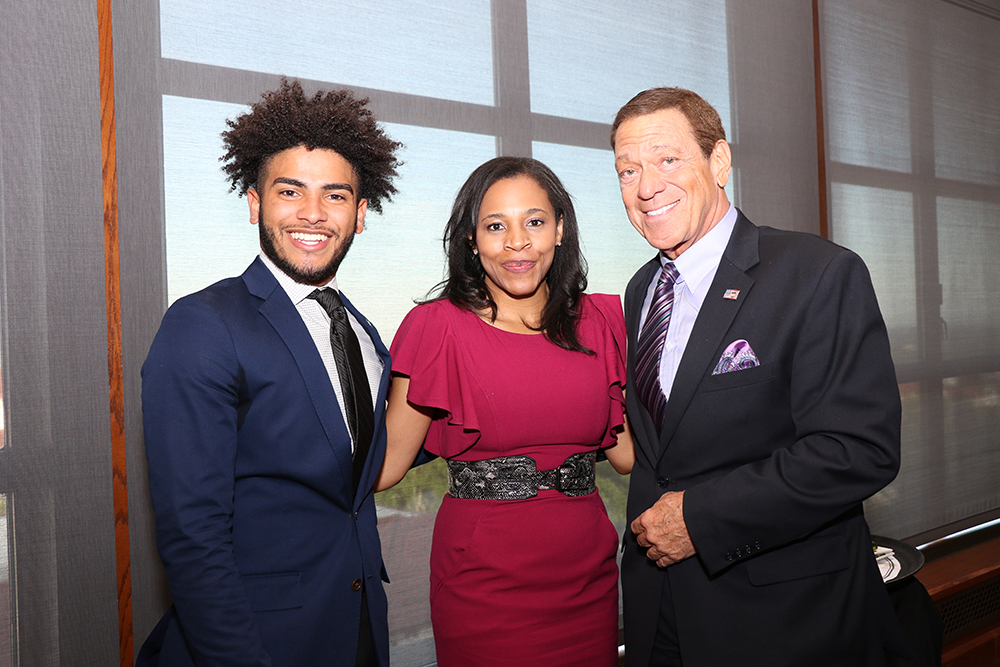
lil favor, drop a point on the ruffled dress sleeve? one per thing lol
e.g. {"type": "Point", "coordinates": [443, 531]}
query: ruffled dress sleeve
{"type": "Point", "coordinates": [603, 330]}
{"type": "Point", "coordinates": [428, 348]}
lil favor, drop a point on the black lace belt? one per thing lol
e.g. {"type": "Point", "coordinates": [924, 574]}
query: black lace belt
{"type": "Point", "coordinates": [517, 477]}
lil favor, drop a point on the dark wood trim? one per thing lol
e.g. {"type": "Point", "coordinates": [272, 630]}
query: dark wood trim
{"type": "Point", "coordinates": [957, 572]}
{"type": "Point", "coordinates": [112, 280]}
{"type": "Point", "coordinates": [980, 649]}
{"type": "Point", "coordinates": [824, 225]}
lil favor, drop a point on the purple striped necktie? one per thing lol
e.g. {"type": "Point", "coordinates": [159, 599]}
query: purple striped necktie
{"type": "Point", "coordinates": [650, 351]}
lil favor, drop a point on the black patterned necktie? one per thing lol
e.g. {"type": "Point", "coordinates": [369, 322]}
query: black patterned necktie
{"type": "Point", "coordinates": [650, 350]}
{"type": "Point", "coordinates": [353, 378]}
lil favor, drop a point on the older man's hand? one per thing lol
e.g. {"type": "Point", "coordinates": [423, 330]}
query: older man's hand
{"type": "Point", "coordinates": [662, 530]}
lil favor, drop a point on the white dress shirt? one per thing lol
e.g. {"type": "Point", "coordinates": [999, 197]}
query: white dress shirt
{"type": "Point", "coordinates": [696, 267]}
{"type": "Point", "coordinates": [317, 321]}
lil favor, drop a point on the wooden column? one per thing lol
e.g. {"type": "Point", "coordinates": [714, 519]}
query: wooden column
{"type": "Point", "coordinates": [112, 290]}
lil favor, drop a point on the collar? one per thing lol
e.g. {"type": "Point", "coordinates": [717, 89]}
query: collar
{"type": "Point", "coordinates": [296, 291]}
{"type": "Point", "coordinates": [696, 266]}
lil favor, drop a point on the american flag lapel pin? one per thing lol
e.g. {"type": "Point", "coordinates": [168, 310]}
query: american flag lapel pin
{"type": "Point", "coordinates": [731, 294]}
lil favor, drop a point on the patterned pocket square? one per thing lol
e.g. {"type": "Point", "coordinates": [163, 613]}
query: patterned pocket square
{"type": "Point", "coordinates": [737, 357]}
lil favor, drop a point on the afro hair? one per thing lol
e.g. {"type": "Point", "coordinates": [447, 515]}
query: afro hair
{"type": "Point", "coordinates": [335, 120]}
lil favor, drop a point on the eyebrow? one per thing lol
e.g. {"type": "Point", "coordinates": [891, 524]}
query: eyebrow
{"type": "Point", "coordinates": [659, 148]}
{"type": "Point", "coordinates": [530, 211]}
{"type": "Point", "coordinates": [299, 184]}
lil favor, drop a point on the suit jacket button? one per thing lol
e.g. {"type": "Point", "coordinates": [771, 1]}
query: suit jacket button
{"type": "Point", "coordinates": [356, 585]}
{"type": "Point", "coordinates": [729, 556]}
{"type": "Point", "coordinates": [662, 482]}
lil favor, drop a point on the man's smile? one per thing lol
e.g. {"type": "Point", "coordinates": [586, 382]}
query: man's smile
{"type": "Point", "coordinates": [309, 238]}
{"type": "Point", "coordinates": [662, 210]}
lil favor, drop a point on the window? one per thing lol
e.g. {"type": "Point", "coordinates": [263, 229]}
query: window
{"type": "Point", "coordinates": [442, 78]}
{"type": "Point", "coordinates": [915, 190]}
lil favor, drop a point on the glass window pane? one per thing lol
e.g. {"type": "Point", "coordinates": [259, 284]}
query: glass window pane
{"type": "Point", "coordinates": [406, 515]}
{"type": "Point", "coordinates": [878, 225]}
{"type": "Point", "coordinates": [865, 85]}
{"type": "Point", "coordinates": [405, 47]}
{"type": "Point", "coordinates": [208, 231]}
{"type": "Point", "coordinates": [940, 482]}
{"type": "Point", "coordinates": [966, 122]}
{"type": "Point", "coordinates": [968, 245]}
{"type": "Point", "coordinates": [613, 248]}
{"type": "Point", "coordinates": [399, 257]}
{"type": "Point", "coordinates": [971, 458]}
{"type": "Point", "coordinates": [587, 60]}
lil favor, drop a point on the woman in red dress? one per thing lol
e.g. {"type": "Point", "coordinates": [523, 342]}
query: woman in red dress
{"type": "Point", "coordinates": [515, 377]}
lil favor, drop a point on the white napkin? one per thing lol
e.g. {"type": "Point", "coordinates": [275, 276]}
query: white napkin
{"type": "Point", "coordinates": [888, 565]}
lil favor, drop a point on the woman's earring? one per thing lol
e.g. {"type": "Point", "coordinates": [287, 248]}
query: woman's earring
{"type": "Point", "coordinates": [475, 251]}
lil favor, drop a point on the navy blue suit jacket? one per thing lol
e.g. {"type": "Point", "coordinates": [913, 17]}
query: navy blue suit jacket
{"type": "Point", "coordinates": [775, 462]}
{"type": "Point", "coordinates": [250, 473]}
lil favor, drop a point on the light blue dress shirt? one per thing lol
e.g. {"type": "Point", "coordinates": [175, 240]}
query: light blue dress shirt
{"type": "Point", "coordinates": [696, 267]}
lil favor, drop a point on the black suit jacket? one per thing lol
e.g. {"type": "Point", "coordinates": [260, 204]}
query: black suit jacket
{"type": "Point", "coordinates": [267, 549]}
{"type": "Point", "coordinates": [775, 461]}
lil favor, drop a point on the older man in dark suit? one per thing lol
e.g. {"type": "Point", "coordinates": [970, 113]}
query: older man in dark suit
{"type": "Point", "coordinates": [765, 409]}
{"type": "Point", "coordinates": [263, 403]}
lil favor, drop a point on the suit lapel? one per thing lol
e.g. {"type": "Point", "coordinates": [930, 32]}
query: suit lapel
{"type": "Point", "coordinates": [634, 297]}
{"type": "Point", "coordinates": [714, 320]}
{"type": "Point", "coordinates": [280, 312]}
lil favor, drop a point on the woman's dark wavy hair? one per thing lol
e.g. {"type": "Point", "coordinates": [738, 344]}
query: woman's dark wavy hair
{"type": "Point", "coordinates": [335, 120]}
{"type": "Point", "coordinates": [465, 285]}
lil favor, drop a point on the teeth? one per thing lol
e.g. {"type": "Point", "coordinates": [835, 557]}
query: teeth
{"type": "Point", "coordinates": [307, 238]}
{"type": "Point", "coordinates": [661, 210]}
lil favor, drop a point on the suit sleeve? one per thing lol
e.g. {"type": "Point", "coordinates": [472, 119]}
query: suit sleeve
{"type": "Point", "coordinates": [845, 411]}
{"type": "Point", "coordinates": [190, 401]}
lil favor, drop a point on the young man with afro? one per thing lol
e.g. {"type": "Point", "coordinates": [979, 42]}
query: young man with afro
{"type": "Point", "coordinates": [263, 406]}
